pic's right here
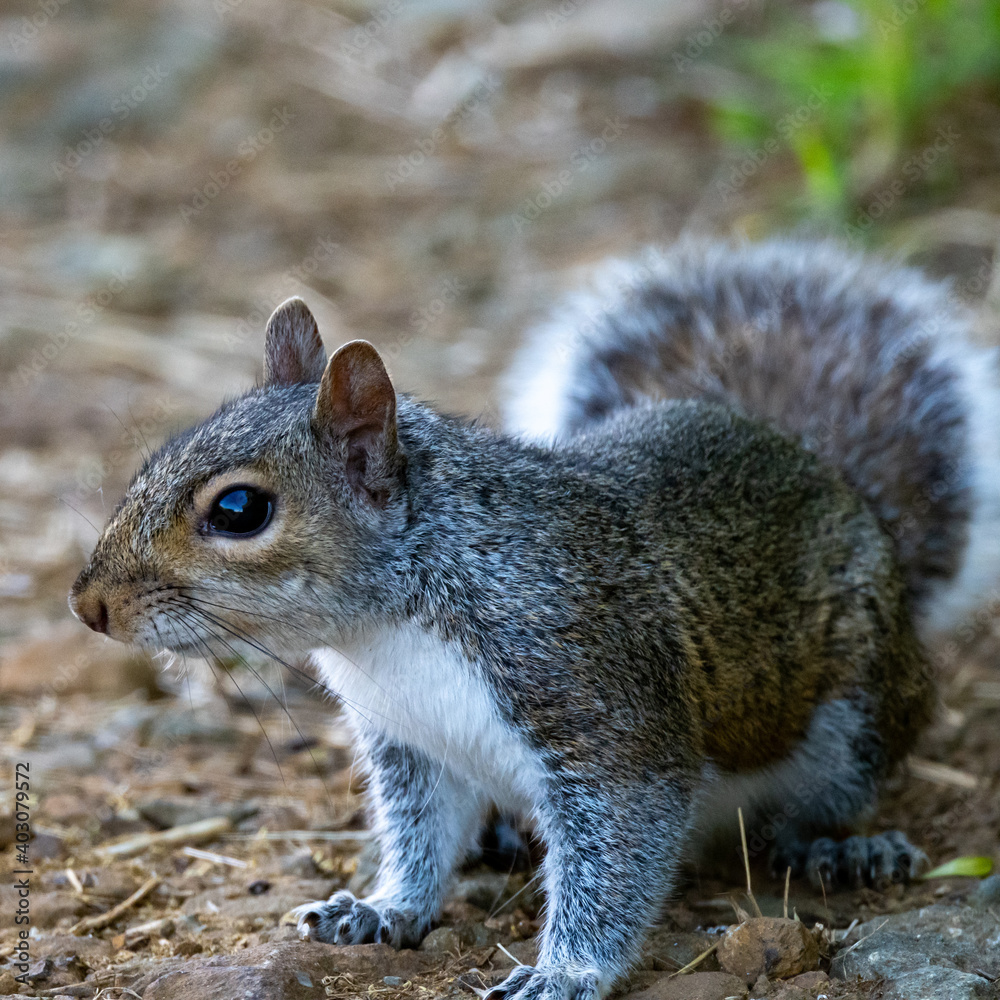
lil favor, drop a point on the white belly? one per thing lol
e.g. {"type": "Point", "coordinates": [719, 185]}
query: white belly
{"type": "Point", "coordinates": [417, 690]}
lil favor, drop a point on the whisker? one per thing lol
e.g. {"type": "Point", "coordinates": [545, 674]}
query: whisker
{"type": "Point", "coordinates": [241, 634]}
{"type": "Point", "coordinates": [138, 430]}
{"type": "Point", "coordinates": [76, 510]}
{"type": "Point", "coordinates": [182, 617]}
{"type": "Point", "coordinates": [281, 701]}
{"type": "Point", "coordinates": [187, 607]}
{"type": "Point", "coordinates": [430, 794]}
{"type": "Point", "coordinates": [205, 653]}
{"type": "Point", "coordinates": [130, 432]}
{"type": "Point", "coordinates": [186, 594]}
{"type": "Point", "coordinates": [533, 878]}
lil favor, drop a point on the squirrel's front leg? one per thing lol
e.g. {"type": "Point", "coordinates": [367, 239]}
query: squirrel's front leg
{"type": "Point", "coordinates": [426, 819]}
{"type": "Point", "coordinates": [610, 860]}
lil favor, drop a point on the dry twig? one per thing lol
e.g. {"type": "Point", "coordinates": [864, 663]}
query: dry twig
{"type": "Point", "coordinates": [104, 919]}
{"type": "Point", "coordinates": [746, 862]}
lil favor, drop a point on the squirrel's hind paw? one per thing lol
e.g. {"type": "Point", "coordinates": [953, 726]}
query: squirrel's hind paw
{"type": "Point", "coordinates": [343, 919]}
{"type": "Point", "coordinates": [854, 863]}
{"type": "Point", "coordinates": [528, 983]}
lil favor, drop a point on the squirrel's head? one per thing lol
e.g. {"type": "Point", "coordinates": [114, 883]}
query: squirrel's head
{"type": "Point", "coordinates": [259, 523]}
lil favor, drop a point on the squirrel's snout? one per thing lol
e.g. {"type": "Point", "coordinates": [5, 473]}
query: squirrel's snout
{"type": "Point", "coordinates": [94, 614]}
{"type": "Point", "coordinates": [90, 608]}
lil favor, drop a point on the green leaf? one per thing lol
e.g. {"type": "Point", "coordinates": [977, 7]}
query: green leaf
{"type": "Point", "coordinates": [965, 867]}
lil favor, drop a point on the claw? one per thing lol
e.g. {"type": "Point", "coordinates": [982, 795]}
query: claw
{"type": "Point", "coordinates": [343, 919]}
{"type": "Point", "coordinates": [862, 861]}
{"type": "Point", "coordinates": [528, 983]}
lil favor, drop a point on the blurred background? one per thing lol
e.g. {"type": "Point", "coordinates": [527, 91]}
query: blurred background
{"type": "Point", "coordinates": [430, 175]}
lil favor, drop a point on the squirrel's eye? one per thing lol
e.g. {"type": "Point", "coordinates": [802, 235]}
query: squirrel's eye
{"type": "Point", "coordinates": [240, 511]}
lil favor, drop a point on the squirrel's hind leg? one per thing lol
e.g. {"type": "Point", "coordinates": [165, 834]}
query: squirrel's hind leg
{"type": "Point", "coordinates": [829, 783]}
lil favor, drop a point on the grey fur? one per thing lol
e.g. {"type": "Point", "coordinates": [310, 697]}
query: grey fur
{"type": "Point", "coordinates": [677, 602]}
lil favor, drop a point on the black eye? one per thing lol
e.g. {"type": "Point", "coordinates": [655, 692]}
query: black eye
{"type": "Point", "coordinates": [240, 511]}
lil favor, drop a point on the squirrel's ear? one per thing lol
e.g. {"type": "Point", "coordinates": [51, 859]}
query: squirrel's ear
{"type": "Point", "coordinates": [356, 404]}
{"type": "Point", "coordinates": [293, 351]}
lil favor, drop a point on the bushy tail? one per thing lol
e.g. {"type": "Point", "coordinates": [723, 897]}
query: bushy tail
{"type": "Point", "coordinates": [869, 365]}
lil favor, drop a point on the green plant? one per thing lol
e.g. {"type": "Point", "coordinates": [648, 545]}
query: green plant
{"type": "Point", "coordinates": [874, 80]}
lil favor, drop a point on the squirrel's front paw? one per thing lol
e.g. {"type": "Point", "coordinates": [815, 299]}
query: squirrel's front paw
{"type": "Point", "coordinates": [528, 983]}
{"type": "Point", "coordinates": [344, 919]}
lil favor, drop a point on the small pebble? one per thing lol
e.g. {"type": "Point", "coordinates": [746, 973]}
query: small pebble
{"type": "Point", "coordinates": [987, 893]}
{"type": "Point", "coordinates": [392, 980]}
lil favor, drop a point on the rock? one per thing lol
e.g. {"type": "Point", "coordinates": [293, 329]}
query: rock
{"type": "Point", "coordinates": [768, 946]}
{"type": "Point", "coordinates": [88, 949]}
{"type": "Point", "coordinates": [48, 845]}
{"type": "Point", "coordinates": [958, 938]}
{"type": "Point", "coordinates": [250, 983]}
{"type": "Point", "coordinates": [83, 990]}
{"type": "Point", "coordinates": [442, 940]}
{"type": "Point", "coordinates": [111, 884]}
{"type": "Point", "coordinates": [666, 951]}
{"type": "Point", "coordinates": [51, 977]}
{"type": "Point", "coordinates": [67, 809]}
{"type": "Point", "coordinates": [233, 903]}
{"type": "Point", "coordinates": [286, 971]}
{"type": "Point", "coordinates": [783, 990]}
{"type": "Point", "coordinates": [987, 893]}
{"type": "Point", "coordinates": [299, 863]}
{"type": "Point", "coordinates": [49, 908]}
{"type": "Point", "coordinates": [40, 970]}
{"type": "Point", "coordinates": [696, 986]}
{"type": "Point", "coordinates": [810, 980]}
{"type": "Point", "coordinates": [499, 892]}
{"type": "Point", "coordinates": [460, 937]}
{"type": "Point", "coordinates": [936, 983]}
{"type": "Point", "coordinates": [525, 952]}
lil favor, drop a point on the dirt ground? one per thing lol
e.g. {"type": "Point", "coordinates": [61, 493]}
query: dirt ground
{"type": "Point", "coordinates": [430, 177]}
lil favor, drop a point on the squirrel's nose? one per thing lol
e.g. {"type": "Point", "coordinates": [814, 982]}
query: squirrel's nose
{"type": "Point", "coordinates": [91, 610]}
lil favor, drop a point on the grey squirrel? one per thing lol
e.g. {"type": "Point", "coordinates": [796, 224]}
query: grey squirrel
{"type": "Point", "coordinates": [767, 470]}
